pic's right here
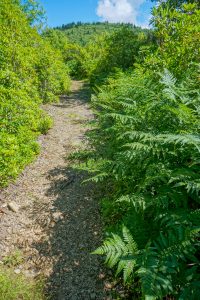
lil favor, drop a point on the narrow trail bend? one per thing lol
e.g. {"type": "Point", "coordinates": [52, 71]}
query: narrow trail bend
{"type": "Point", "coordinates": [58, 222]}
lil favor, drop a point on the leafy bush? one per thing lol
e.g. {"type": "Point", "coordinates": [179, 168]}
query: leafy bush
{"type": "Point", "coordinates": [45, 124]}
{"type": "Point", "coordinates": [109, 52]}
{"type": "Point", "coordinates": [146, 149]}
{"type": "Point", "coordinates": [177, 35]}
{"type": "Point", "coordinates": [31, 72]}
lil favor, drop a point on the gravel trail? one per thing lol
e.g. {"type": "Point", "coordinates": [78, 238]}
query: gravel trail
{"type": "Point", "coordinates": [58, 222]}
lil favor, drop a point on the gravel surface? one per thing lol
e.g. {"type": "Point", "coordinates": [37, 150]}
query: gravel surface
{"type": "Point", "coordinates": [55, 220]}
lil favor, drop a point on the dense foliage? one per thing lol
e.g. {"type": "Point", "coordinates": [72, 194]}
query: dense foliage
{"type": "Point", "coordinates": [145, 149]}
{"type": "Point", "coordinates": [144, 143]}
{"type": "Point", "coordinates": [31, 72]}
{"type": "Point", "coordinates": [108, 53]}
{"type": "Point", "coordinates": [106, 47]}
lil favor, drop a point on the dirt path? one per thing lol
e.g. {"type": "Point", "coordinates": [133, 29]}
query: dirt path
{"type": "Point", "coordinates": [58, 222]}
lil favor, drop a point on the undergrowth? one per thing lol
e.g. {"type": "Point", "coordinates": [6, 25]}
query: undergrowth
{"type": "Point", "coordinates": [144, 150]}
{"type": "Point", "coordinates": [17, 287]}
{"type": "Point", "coordinates": [32, 72]}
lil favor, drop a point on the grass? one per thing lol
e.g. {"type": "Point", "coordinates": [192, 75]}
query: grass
{"type": "Point", "coordinates": [17, 286]}
{"type": "Point", "coordinates": [13, 259]}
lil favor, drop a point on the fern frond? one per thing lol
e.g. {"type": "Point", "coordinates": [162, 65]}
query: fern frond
{"type": "Point", "coordinates": [168, 79]}
{"type": "Point", "coordinates": [137, 201]}
{"type": "Point", "coordinates": [120, 251]}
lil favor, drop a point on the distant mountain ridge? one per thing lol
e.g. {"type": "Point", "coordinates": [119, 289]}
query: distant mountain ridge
{"type": "Point", "coordinates": [81, 33]}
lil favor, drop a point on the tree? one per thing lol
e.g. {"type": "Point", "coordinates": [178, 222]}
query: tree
{"type": "Point", "coordinates": [35, 12]}
{"type": "Point", "coordinates": [176, 3]}
{"type": "Point", "coordinates": [31, 72]}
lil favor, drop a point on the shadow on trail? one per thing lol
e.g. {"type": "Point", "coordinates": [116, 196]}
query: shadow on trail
{"type": "Point", "coordinates": [81, 95]}
{"type": "Point", "coordinates": [74, 236]}
{"type": "Point", "coordinates": [73, 230]}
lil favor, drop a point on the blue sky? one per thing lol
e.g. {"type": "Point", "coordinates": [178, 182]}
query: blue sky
{"type": "Point", "coordinates": [65, 11]}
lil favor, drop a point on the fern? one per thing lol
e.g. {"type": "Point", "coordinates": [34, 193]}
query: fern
{"type": "Point", "coordinates": [156, 264]}
{"type": "Point", "coordinates": [146, 147]}
{"type": "Point", "coordinates": [120, 251]}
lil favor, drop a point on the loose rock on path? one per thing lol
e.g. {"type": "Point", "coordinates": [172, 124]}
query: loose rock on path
{"type": "Point", "coordinates": [56, 223]}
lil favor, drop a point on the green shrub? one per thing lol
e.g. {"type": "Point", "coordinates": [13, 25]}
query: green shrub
{"type": "Point", "coordinates": [145, 150]}
{"type": "Point", "coordinates": [13, 259]}
{"type": "Point", "coordinates": [45, 124]}
{"type": "Point", "coordinates": [177, 35]}
{"type": "Point", "coordinates": [31, 72]}
{"type": "Point", "coordinates": [17, 287]}
{"type": "Point", "coordinates": [52, 72]}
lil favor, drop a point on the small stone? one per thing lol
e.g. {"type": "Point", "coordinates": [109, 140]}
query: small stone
{"type": "Point", "coordinates": [101, 276]}
{"type": "Point", "coordinates": [108, 286]}
{"type": "Point", "coordinates": [77, 263]}
{"type": "Point", "coordinates": [48, 221]}
{"type": "Point", "coordinates": [20, 267]}
{"type": "Point", "coordinates": [93, 296]}
{"type": "Point", "coordinates": [13, 207]}
{"type": "Point", "coordinates": [57, 216]}
{"type": "Point", "coordinates": [122, 295]}
{"type": "Point", "coordinates": [52, 224]}
{"type": "Point", "coordinates": [17, 271]}
{"type": "Point", "coordinates": [30, 273]}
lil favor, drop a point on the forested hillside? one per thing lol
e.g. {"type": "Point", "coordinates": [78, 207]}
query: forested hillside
{"type": "Point", "coordinates": [82, 33]}
{"type": "Point", "coordinates": [141, 152]}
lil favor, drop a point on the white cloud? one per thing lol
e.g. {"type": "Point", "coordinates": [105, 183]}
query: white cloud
{"type": "Point", "coordinates": [125, 11]}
